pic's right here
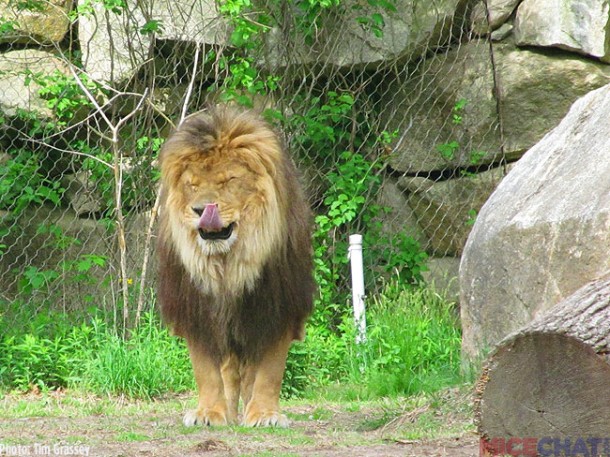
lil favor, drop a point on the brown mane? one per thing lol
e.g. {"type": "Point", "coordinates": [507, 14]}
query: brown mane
{"type": "Point", "coordinates": [213, 304]}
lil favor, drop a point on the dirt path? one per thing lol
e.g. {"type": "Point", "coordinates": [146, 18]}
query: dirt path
{"type": "Point", "coordinates": [69, 426]}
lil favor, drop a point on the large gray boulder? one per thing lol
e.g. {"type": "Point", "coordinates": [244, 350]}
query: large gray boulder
{"type": "Point", "coordinates": [401, 218]}
{"type": "Point", "coordinates": [82, 194]}
{"type": "Point", "coordinates": [544, 232]}
{"type": "Point", "coordinates": [582, 26]}
{"type": "Point", "coordinates": [500, 11]}
{"type": "Point", "coordinates": [37, 23]}
{"type": "Point", "coordinates": [537, 91]}
{"type": "Point", "coordinates": [16, 93]}
{"type": "Point", "coordinates": [351, 38]}
{"type": "Point", "coordinates": [114, 46]}
{"type": "Point", "coordinates": [491, 14]}
{"type": "Point", "coordinates": [31, 243]}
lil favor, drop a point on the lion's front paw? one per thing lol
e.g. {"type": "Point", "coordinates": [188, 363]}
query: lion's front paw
{"type": "Point", "coordinates": [266, 419]}
{"type": "Point", "coordinates": [204, 416]}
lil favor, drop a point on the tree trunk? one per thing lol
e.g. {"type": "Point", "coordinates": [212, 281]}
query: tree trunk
{"type": "Point", "coordinates": [551, 379]}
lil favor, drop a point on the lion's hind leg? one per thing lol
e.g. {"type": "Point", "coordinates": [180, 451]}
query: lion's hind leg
{"type": "Point", "coordinates": [212, 406]}
{"type": "Point", "coordinates": [262, 394]}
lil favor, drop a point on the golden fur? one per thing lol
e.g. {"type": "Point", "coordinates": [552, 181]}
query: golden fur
{"type": "Point", "coordinates": [235, 259]}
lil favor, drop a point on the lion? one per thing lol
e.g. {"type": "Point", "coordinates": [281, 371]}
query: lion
{"type": "Point", "coordinates": [235, 257]}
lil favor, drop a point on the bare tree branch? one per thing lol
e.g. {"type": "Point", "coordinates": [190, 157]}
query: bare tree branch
{"type": "Point", "coordinates": [189, 90]}
{"type": "Point", "coordinates": [117, 166]}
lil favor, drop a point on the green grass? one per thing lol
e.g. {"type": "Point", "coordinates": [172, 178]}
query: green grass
{"type": "Point", "coordinates": [413, 346]}
{"type": "Point", "coordinates": [148, 364]}
{"type": "Point", "coordinates": [317, 414]}
{"type": "Point", "coordinates": [92, 357]}
{"type": "Point", "coordinates": [78, 403]}
{"type": "Point", "coordinates": [128, 437]}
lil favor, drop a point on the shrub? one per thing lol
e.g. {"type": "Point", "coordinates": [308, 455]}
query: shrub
{"type": "Point", "coordinates": [413, 343]}
{"type": "Point", "coordinates": [24, 182]}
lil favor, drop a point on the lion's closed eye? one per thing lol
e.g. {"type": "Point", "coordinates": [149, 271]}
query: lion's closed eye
{"type": "Point", "coordinates": [232, 179]}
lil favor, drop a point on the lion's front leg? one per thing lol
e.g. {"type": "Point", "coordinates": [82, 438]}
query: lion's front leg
{"type": "Point", "coordinates": [262, 385]}
{"type": "Point", "coordinates": [212, 406]}
{"type": "Point", "coordinates": [231, 380]}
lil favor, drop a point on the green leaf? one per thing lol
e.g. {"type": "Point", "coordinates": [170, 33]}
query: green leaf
{"type": "Point", "coordinates": [98, 260]}
{"type": "Point", "coordinates": [347, 99]}
{"type": "Point", "coordinates": [115, 6]}
{"type": "Point", "coordinates": [477, 156]}
{"type": "Point", "coordinates": [447, 150]}
{"type": "Point", "coordinates": [388, 5]}
{"type": "Point", "coordinates": [460, 104]}
{"type": "Point", "coordinates": [83, 265]}
{"type": "Point", "coordinates": [238, 38]}
{"type": "Point", "coordinates": [378, 19]}
{"type": "Point", "coordinates": [152, 26]}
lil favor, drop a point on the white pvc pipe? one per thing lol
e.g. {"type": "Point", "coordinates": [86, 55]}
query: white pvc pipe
{"type": "Point", "coordinates": [355, 256]}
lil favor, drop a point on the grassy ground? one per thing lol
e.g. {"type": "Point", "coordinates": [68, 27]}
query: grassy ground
{"type": "Point", "coordinates": [117, 401]}
{"type": "Point", "coordinates": [76, 424]}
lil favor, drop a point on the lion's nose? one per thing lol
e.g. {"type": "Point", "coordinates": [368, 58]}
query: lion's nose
{"type": "Point", "coordinates": [200, 209]}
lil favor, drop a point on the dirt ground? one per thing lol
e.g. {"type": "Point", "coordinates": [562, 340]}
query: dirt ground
{"type": "Point", "coordinates": [74, 425]}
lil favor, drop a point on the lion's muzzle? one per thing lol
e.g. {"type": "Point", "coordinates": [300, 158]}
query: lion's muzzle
{"type": "Point", "coordinates": [222, 234]}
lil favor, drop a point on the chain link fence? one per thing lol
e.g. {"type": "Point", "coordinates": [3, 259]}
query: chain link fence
{"type": "Point", "coordinates": [388, 108]}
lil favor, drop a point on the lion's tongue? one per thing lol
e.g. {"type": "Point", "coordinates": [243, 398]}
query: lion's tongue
{"type": "Point", "coordinates": [210, 220]}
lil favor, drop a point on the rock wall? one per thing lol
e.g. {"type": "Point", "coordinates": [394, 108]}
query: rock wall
{"type": "Point", "coordinates": [466, 88]}
{"type": "Point", "coordinates": [188, 21]}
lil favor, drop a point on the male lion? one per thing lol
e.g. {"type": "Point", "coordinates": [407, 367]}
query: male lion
{"type": "Point", "coordinates": [235, 261]}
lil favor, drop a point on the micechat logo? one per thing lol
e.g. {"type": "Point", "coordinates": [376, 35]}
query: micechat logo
{"type": "Point", "coordinates": [545, 447]}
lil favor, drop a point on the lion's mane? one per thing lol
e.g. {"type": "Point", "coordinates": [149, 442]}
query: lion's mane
{"type": "Point", "coordinates": [246, 299]}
